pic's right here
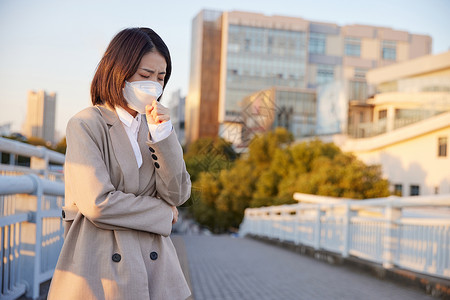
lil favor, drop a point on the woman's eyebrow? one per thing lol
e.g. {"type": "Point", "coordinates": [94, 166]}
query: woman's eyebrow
{"type": "Point", "coordinates": [152, 71]}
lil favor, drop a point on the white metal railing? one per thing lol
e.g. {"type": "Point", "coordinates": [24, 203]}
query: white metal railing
{"type": "Point", "coordinates": [31, 232]}
{"type": "Point", "coordinates": [41, 160]}
{"type": "Point", "coordinates": [388, 231]}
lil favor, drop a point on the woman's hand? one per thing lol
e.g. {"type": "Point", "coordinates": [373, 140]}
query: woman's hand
{"type": "Point", "coordinates": [157, 113]}
{"type": "Point", "coordinates": [175, 214]}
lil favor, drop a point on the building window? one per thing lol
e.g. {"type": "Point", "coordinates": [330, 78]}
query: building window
{"type": "Point", "coordinates": [436, 190]}
{"type": "Point", "coordinates": [398, 190]}
{"type": "Point", "coordinates": [352, 47]}
{"type": "Point", "coordinates": [325, 73]}
{"type": "Point", "coordinates": [388, 50]}
{"type": "Point", "coordinates": [442, 147]}
{"type": "Point", "coordinates": [382, 114]}
{"type": "Point", "coordinates": [414, 190]}
{"type": "Point", "coordinates": [317, 43]}
{"type": "Point", "coordinates": [357, 90]}
{"type": "Point", "coordinates": [360, 73]}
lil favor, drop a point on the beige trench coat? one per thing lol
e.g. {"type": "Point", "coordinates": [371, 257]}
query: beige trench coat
{"type": "Point", "coordinates": [117, 216]}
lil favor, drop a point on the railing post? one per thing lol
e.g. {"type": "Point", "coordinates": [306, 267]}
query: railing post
{"type": "Point", "coordinates": [346, 240]}
{"type": "Point", "coordinates": [297, 237]}
{"type": "Point", "coordinates": [392, 214]}
{"type": "Point", "coordinates": [38, 245]}
{"type": "Point", "coordinates": [317, 228]}
{"type": "Point", "coordinates": [41, 163]}
{"type": "Point", "coordinates": [12, 159]}
{"type": "Point", "coordinates": [283, 233]}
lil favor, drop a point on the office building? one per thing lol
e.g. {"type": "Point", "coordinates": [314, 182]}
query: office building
{"type": "Point", "coordinates": [5, 129]}
{"type": "Point", "coordinates": [235, 54]}
{"type": "Point", "coordinates": [202, 100]}
{"type": "Point", "coordinates": [409, 125]}
{"type": "Point", "coordinates": [290, 108]}
{"type": "Point", "coordinates": [40, 118]}
{"type": "Point", "coordinates": [177, 114]}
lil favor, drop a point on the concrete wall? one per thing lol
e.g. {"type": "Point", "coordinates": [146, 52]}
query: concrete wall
{"type": "Point", "coordinates": [409, 155]}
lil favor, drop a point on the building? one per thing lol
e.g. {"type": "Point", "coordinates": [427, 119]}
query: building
{"type": "Point", "coordinates": [40, 119]}
{"type": "Point", "coordinates": [409, 130]}
{"type": "Point", "coordinates": [202, 100]}
{"type": "Point", "coordinates": [293, 109]}
{"type": "Point", "coordinates": [235, 54]}
{"type": "Point", "coordinates": [177, 114]}
{"type": "Point", "coordinates": [405, 93]}
{"type": "Point", "coordinates": [5, 129]}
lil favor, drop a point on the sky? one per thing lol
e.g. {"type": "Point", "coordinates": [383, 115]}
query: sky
{"type": "Point", "coordinates": [55, 45]}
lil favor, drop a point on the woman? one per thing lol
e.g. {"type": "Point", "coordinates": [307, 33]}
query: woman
{"type": "Point", "coordinates": [124, 177]}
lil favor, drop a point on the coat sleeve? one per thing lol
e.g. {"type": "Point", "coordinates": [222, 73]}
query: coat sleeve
{"type": "Point", "coordinates": [89, 187]}
{"type": "Point", "coordinates": [173, 183]}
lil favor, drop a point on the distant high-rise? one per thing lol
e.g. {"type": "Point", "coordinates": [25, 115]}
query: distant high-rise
{"type": "Point", "coordinates": [40, 119]}
{"type": "Point", "coordinates": [177, 114]}
{"type": "Point", "coordinates": [202, 103]}
{"type": "Point", "coordinates": [235, 54]}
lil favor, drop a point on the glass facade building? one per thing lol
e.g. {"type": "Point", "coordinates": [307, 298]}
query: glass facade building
{"type": "Point", "coordinates": [236, 54]}
{"type": "Point", "coordinates": [290, 108]}
{"type": "Point", "coordinates": [258, 58]}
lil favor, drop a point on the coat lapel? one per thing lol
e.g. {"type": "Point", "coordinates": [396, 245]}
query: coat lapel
{"type": "Point", "coordinates": [122, 149]}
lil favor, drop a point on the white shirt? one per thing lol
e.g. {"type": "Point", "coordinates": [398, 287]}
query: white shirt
{"type": "Point", "coordinates": [131, 125]}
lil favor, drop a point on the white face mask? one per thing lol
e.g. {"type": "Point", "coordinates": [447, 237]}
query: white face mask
{"type": "Point", "coordinates": [141, 93]}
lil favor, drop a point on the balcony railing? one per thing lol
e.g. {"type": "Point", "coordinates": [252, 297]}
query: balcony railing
{"type": "Point", "coordinates": [383, 231]}
{"type": "Point", "coordinates": [31, 231]}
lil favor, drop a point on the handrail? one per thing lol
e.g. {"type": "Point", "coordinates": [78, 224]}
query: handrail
{"type": "Point", "coordinates": [28, 184]}
{"type": "Point", "coordinates": [410, 201]}
{"type": "Point", "coordinates": [31, 233]}
{"type": "Point", "coordinates": [388, 231]}
{"type": "Point", "coordinates": [19, 148]}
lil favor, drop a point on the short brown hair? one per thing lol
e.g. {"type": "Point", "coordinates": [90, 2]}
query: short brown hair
{"type": "Point", "coordinates": [121, 61]}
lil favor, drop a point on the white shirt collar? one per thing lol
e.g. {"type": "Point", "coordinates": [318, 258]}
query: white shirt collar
{"type": "Point", "coordinates": [126, 118]}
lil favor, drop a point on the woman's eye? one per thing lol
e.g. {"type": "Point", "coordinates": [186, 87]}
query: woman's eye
{"type": "Point", "coordinates": [161, 79]}
{"type": "Point", "coordinates": [144, 76]}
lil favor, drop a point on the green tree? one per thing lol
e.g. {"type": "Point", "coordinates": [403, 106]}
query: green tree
{"type": "Point", "coordinates": [204, 204]}
{"type": "Point", "coordinates": [262, 148]}
{"type": "Point", "coordinates": [330, 172]}
{"type": "Point", "coordinates": [61, 146]}
{"type": "Point", "coordinates": [209, 155]}
{"type": "Point", "coordinates": [238, 184]}
{"type": "Point", "coordinates": [37, 141]}
{"type": "Point", "coordinates": [270, 173]}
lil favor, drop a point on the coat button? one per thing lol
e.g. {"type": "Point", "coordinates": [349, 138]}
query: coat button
{"type": "Point", "coordinates": [154, 157]}
{"type": "Point", "coordinates": [63, 213]}
{"type": "Point", "coordinates": [116, 257]}
{"type": "Point", "coordinates": [153, 256]}
{"type": "Point", "coordinates": [156, 165]}
{"type": "Point", "coordinates": [151, 149]}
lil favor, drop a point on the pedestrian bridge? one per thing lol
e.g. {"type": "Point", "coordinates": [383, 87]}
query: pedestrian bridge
{"type": "Point", "coordinates": [403, 234]}
{"type": "Point", "coordinates": [225, 267]}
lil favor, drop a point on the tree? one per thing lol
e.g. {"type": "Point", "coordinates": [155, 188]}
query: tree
{"type": "Point", "coordinates": [271, 172]}
{"type": "Point", "coordinates": [209, 155]}
{"type": "Point", "coordinates": [37, 141]}
{"type": "Point", "coordinates": [329, 172]}
{"type": "Point", "coordinates": [61, 146]}
{"type": "Point", "coordinates": [203, 205]}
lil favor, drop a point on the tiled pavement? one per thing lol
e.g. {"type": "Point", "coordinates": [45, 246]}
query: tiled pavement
{"type": "Point", "coordinates": [223, 267]}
